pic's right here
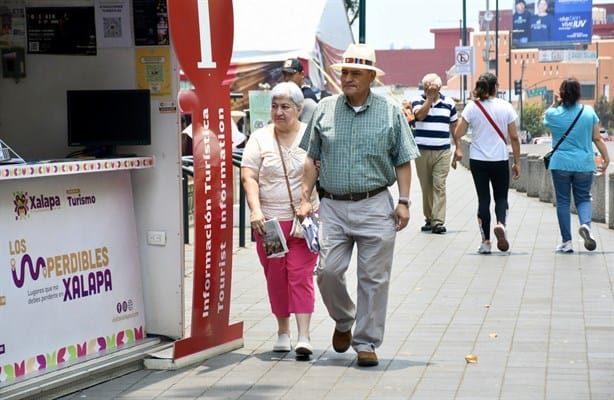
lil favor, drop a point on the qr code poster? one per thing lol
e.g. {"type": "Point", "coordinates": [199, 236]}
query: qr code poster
{"type": "Point", "coordinates": [112, 27]}
{"type": "Point", "coordinates": [113, 23]}
{"type": "Point", "coordinates": [153, 70]}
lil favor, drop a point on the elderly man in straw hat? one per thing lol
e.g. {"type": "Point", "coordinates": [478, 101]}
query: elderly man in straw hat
{"type": "Point", "coordinates": [363, 145]}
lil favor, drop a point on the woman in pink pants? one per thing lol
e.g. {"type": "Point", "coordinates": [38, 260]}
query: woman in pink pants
{"type": "Point", "coordinates": [271, 155]}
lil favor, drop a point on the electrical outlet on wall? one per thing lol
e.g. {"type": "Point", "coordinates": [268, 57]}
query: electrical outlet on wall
{"type": "Point", "coordinates": [156, 238]}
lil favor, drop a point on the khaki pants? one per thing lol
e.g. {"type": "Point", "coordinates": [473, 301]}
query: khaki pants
{"type": "Point", "coordinates": [432, 168]}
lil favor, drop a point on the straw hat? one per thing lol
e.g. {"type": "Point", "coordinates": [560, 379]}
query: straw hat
{"type": "Point", "coordinates": [359, 56]}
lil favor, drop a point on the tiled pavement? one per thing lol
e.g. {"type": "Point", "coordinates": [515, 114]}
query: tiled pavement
{"type": "Point", "coordinates": [541, 324]}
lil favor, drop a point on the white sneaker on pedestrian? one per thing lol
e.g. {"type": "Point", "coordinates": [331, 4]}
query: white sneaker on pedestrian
{"type": "Point", "coordinates": [502, 243]}
{"type": "Point", "coordinates": [565, 247]}
{"type": "Point", "coordinates": [303, 347]}
{"type": "Point", "coordinates": [589, 240]}
{"type": "Point", "coordinates": [283, 343]}
{"type": "Point", "coordinates": [485, 247]}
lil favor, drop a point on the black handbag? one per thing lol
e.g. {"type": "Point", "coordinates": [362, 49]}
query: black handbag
{"type": "Point", "coordinates": [547, 158]}
{"type": "Point", "coordinates": [549, 154]}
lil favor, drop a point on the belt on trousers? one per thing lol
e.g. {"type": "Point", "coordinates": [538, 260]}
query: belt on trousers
{"type": "Point", "coordinates": [352, 196]}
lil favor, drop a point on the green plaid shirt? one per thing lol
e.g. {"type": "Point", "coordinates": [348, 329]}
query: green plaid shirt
{"type": "Point", "coordinates": [358, 151]}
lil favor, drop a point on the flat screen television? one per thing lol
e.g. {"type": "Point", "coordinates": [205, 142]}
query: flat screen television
{"type": "Point", "coordinates": [100, 120]}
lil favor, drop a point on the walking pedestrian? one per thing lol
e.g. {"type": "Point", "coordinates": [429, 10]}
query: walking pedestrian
{"type": "Point", "coordinates": [271, 173]}
{"type": "Point", "coordinates": [572, 165]}
{"type": "Point", "coordinates": [436, 118]}
{"type": "Point", "coordinates": [493, 124]}
{"type": "Point", "coordinates": [363, 145]}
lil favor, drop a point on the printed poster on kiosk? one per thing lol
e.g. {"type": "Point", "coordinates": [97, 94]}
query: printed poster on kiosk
{"type": "Point", "coordinates": [70, 280]}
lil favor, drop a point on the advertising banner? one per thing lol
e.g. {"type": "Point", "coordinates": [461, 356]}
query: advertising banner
{"type": "Point", "coordinates": [551, 23]}
{"type": "Point", "coordinates": [70, 281]}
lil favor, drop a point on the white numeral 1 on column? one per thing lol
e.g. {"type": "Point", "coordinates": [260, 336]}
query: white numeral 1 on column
{"type": "Point", "coordinates": [204, 25]}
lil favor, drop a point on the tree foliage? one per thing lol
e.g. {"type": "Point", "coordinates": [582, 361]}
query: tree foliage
{"type": "Point", "coordinates": [605, 111]}
{"type": "Point", "coordinates": [532, 116]}
{"type": "Point", "coordinates": [532, 119]}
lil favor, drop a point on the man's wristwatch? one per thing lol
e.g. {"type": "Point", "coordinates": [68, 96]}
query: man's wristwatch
{"type": "Point", "coordinates": [405, 200]}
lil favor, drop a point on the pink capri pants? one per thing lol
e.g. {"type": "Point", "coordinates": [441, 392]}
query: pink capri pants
{"type": "Point", "coordinates": [289, 278]}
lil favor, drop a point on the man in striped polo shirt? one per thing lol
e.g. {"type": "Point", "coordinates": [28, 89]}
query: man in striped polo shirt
{"type": "Point", "coordinates": [436, 119]}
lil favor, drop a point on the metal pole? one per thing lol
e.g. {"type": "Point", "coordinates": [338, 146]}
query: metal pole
{"type": "Point", "coordinates": [460, 31]}
{"type": "Point", "coordinates": [597, 74]}
{"type": "Point", "coordinates": [497, 38]}
{"type": "Point", "coordinates": [242, 203]}
{"type": "Point", "coordinates": [186, 211]}
{"type": "Point", "coordinates": [521, 92]}
{"type": "Point", "coordinates": [362, 16]}
{"type": "Point", "coordinates": [464, 44]}
{"type": "Point", "coordinates": [509, 66]}
{"type": "Point", "coordinates": [486, 54]}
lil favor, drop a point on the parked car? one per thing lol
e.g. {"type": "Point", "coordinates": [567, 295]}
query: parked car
{"type": "Point", "coordinates": [542, 140]}
{"type": "Point", "coordinates": [604, 134]}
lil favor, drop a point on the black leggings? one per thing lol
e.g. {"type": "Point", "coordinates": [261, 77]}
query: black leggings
{"type": "Point", "coordinates": [497, 174]}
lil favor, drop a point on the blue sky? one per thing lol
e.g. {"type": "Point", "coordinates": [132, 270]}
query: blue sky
{"type": "Point", "coordinates": [406, 23]}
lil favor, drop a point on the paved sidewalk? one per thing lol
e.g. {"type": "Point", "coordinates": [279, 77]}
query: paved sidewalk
{"type": "Point", "coordinates": [541, 324]}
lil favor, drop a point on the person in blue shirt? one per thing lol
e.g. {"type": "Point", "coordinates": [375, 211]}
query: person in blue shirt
{"type": "Point", "coordinates": [573, 164]}
{"type": "Point", "coordinates": [521, 24]}
{"type": "Point", "coordinates": [542, 23]}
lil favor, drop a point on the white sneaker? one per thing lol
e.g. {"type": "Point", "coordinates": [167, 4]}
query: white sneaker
{"type": "Point", "coordinates": [565, 247]}
{"type": "Point", "coordinates": [303, 347]}
{"type": "Point", "coordinates": [283, 343]}
{"type": "Point", "coordinates": [485, 247]}
{"type": "Point", "coordinates": [502, 243]}
{"type": "Point", "coordinates": [589, 240]}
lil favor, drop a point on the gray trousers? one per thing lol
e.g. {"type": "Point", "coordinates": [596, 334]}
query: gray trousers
{"type": "Point", "coordinates": [370, 224]}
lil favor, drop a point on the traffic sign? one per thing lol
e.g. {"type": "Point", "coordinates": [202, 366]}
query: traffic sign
{"type": "Point", "coordinates": [537, 92]}
{"type": "Point", "coordinates": [463, 60]}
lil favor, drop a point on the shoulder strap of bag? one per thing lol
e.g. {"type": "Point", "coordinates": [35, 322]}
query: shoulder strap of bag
{"type": "Point", "coordinates": [489, 118]}
{"type": "Point", "coordinates": [283, 164]}
{"type": "Point", "coordinates": [568, 130]}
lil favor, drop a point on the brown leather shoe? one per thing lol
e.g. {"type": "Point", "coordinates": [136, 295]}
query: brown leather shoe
{"type": "Point", "coordinates": [342, 341]}
{"type": "Point", "coordinates": [367, 359]}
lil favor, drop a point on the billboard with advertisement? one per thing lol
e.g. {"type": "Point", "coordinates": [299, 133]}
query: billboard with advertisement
{"type": "Point", "coordinates": [551, 23]}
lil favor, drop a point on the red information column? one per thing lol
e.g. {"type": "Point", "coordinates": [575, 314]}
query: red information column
{"type": "Point", "coordinates": [202, 35]}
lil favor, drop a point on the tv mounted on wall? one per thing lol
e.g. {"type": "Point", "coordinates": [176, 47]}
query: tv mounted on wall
{"type": "Point", "coordinates": [100, 120]}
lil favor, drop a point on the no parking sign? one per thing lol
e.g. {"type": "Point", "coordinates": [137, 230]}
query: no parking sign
{"type": "Point", "coordinates": [463, 60]}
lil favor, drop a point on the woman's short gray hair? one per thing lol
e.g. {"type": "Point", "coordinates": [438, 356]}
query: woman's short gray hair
{"type": "Point", "coordinates": [291, 91]}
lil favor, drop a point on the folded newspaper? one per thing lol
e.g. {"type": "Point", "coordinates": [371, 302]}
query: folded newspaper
{"type": "Point", "coordinates": [273, 239]}
{"type": "Point", "coordinates": [310, 230]}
